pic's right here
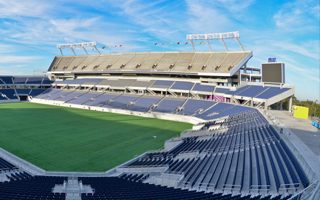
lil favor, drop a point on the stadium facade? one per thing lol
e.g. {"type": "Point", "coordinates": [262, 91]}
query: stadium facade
{"type": "Point", "coordinates": [233, 152]}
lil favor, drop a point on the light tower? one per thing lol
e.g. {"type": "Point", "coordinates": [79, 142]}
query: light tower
{"type": "Point", "coordinates": [215, 36]}
{"type": "Point", "coordinates": [82, 45]}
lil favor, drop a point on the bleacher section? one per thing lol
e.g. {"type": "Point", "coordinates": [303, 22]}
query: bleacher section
{"type": "Point", "coordinates": [24, 80]}
{"type": "Point", "coordinates": [22, 186]}
{"type": "Point", "coordinates": [6, 80]}
{"type": "Point", "coordinates": [167, 62]}
{"type": "Point", "coordinates": [118, 188]}
{"type": "Point", "coordinates": [12, 87]}
{"type": "Point", "coordinates": [8, 94]}
{"type": "Point", "coordinates": [262, 92]}
{"type": "Point", "coordinates": [245, 155]}
{"type": "Point", "coordinates": [202, 109]}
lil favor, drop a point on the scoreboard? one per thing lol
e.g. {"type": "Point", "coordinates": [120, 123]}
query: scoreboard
{"type": "Point", "coordinates": [273, 72]}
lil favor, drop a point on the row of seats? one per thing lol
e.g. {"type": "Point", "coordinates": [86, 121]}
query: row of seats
{"type": "Point", "coordinates": [12, 94]}
{"type": "Point", "coordinates": [118, 188]}
{"type": "Point", "coordinates": [253, 91]}
{"type": "Point", "coordinates": [259, 92]}
{"type": "Point", "coordinates": [11, 87]}
{"type": "Point", "coordinates": [24, 80]}
{"type": "Point", "coordinates": [23, 186]}
{"type": "Point", "coordinates": [4, 165]}
{"type": "Point", "coordinates": [203, 109]}
{"type": "Point", "coordinates": [132, 83]}
{"type": "Point", "coordinates": [8, 94]}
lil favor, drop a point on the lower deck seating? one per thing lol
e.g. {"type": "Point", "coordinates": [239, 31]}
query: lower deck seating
{"type": "Point", "coordinates": [143, 104]}
{"type": "Point", "coordinates": [188, 87]}
{"type": "Point", "coordinates": [169, 105]}
{"type": "Point", "coordinates": [37, 187]}
{"type": "Point", "coordinates": [8, 94]}
{"type": "Point", "coordinates": [245, 155]}
{"type": "Point", "coordinates": [118, 188]}
{"type": "Point", "coordinates": [203, 109]}
{"type": "Point", "coordinates": [4, 165]}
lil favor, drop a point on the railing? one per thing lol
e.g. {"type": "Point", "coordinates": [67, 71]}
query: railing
{"type": "Point", "coordinates": [146, 166]}
{"type": "Point", "coordinates": [289, 188]}
{"type": "Point", "coordinates": [312, 176]}
{"type": "Point", "coordinates": [5, 170]}
{"type": "Point", "coordinates": [265, 189]}
{"type": "Point", "coordinates": [308, 193]}
{"type": "Point", "coordinates": [231, 188]}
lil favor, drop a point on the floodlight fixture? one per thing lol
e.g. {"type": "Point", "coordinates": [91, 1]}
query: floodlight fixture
{"type": "Point", "coordinates": [215, 36]}
{"type": "Point", "coordinates": [82, 45]}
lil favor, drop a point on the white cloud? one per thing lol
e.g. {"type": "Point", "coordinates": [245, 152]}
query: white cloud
{"type": "Point", "coordinates": [12, 59]}
{"type": "Point", "coordinates": [17, 8]}
{"type": "Point", "coordinates": [5, 48]}
{"type": "Point", "coordinates": [204, 18]}
{"type": "Point", "coordinates": [297, 16]}
{"type": "Point", "coordinates": [235, 6]}
{"type": "Point", "coordinates": [303, 49]}
{"type": "Point", "coordinates": [152, 18]}
{"type": "Point", "coordinates": [299, 68]}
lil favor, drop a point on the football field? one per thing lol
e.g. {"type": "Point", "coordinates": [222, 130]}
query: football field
{"type": "Point", "coordinates": [68, 139]}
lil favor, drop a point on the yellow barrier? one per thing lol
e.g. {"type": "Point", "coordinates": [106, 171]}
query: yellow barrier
{"type": "Point", "coordinates": [300, 112]}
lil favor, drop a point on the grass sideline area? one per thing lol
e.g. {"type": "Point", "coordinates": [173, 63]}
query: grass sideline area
{"type": "Point", "coordinates": [68, 139]}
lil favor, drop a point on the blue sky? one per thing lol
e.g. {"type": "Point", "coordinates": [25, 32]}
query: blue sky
{"type": "Point", "coordinates": [287, 30]}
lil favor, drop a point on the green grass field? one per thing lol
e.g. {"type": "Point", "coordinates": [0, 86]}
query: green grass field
{"type": "Point", "coordinates": [67, 139]}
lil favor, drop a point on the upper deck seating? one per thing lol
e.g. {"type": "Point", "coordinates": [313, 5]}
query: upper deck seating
{"type": "Point", "coordinates": [9, 94]}
{"type": "Point", "coordinates": [19, 80]}
{"type": "Point", "coordinates": [271, 92]}
{"type": "Point", "coordinates": [182, 85]}
{"type": "Point", "coordinates": [203, 88]}
{"type": "Point", "coordinates": [162, 84]}
{"type": "Point", "coordinates": [34, 80]}
{"type": "Point", "coordinates": [6, 80]}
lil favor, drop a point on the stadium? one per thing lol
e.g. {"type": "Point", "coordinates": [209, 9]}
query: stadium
{"type": "Point", "coordinates": [154, 125]}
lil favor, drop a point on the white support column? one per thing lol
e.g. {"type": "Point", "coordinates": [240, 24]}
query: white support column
{"type": "Point", "coordinates": [290, 104]}
{"type": "Point", "coordinates": [95, 47]}
{"type": "Point", "coordinates": [209, 45]}
{"type": "Point", "coordinates": [85, 50]}
{"type": "Point", "coordinates": [61, 51]}
{"type": "Point", "coordinates": [224, 44]}
{"type": "Point", "coordinates": [74, 53]}
{"type": "Point", "coordinates": [241, 46]}
{"type": "Point", "coordinates": [193, 46]}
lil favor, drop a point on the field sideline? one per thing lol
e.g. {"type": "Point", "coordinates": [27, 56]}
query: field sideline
{"type": "Point", "coordinates": [68, 139]}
